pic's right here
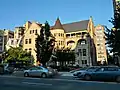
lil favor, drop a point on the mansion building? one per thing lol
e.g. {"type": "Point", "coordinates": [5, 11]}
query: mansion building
{"type": "Point", "coordinates": [81, 37]}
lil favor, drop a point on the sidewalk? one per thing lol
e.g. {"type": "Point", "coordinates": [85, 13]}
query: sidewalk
{"type": "Point", "coordinates": [21, 74]}
{"type": "Point", "coordinates": [65, 74]}
{"type": "Point", "coordinates": [18, 73]}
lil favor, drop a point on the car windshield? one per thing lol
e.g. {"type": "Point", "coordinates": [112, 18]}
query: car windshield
{"type": "Point", "coordinates": [91, 69]}
{"type": "Point", "coordinates": [35, 68]}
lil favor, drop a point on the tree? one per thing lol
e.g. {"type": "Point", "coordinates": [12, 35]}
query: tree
{"type": "Point", "coordinates": [2, 32]}
{"type": "Point", "coordinates": [109, 58]}
{"type": "Point", "coordinates": [113, 35]}
{"type": "Point", "coordinates": [17, 55]}
{"type": "Point", "coordinates": [64, 56]}
{"type": "Point", "coordinates": [44, 44]}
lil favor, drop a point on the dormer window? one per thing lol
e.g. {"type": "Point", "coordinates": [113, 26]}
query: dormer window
{"type": "Point", "coordinates": [83, 42]}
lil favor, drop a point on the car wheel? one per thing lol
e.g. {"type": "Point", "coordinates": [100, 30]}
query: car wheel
{"type": "Point", "coordinates": [87, 77]}
{"type": "Point", "coordinates": [43, 75]}
{"type": "Point", "coordinates": [26, 74]}
{"type": "Point", "coordinates": [118, 79]}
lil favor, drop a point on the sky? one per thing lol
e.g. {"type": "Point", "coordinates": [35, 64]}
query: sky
{"type": "Point", "coordinates": [16, 12]}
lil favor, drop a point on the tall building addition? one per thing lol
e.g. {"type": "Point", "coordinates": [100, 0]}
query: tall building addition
{"type": "Point", "coordinates": [100, 44]}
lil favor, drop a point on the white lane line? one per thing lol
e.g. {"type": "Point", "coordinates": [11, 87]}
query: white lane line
{"type": "Point", "coordinates": [32, 83]}
{"type": "Point", "coordinates": [67, 75]}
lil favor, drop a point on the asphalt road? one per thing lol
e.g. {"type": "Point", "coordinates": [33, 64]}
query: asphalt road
{"type": "Point", "coordinates": [22, 83]}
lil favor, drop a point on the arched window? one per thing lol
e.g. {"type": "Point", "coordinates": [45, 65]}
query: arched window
{"type": "Point", "coordinates": [82, 41]}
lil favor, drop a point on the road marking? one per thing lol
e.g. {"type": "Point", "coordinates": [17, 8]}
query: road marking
{"type": "Point", "coordinates": [60, 80]}
{"type": "Point", "coordinates": [67, 75]}
{"type": "Point", "coordinates": [31, 83]}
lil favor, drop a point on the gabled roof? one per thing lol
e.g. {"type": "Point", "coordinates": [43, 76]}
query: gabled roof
{"type": "Point", "coordinates": [71, 27]}
{"type": "Point", "coordinates": [34, 24]}
{"type": "Point", "coordinates": [58, 24]}
{"type": "Point", "coordinates": [76, 26]}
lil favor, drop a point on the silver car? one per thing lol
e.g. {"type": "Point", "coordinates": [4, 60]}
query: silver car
{"type": "Point", "coordinates": [38, 71]}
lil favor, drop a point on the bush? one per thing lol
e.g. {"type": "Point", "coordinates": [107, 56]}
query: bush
{"type": "Point", "coordinates": [1, 69]}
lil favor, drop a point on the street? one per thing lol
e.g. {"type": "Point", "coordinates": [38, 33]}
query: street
{"type": "Point", "coordinates": [22, 83]}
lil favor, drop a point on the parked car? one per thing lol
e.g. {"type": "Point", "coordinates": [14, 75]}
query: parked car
{"type": "Point", "coordinates": [38, 71]}
{"type": "Point", "coordinates": [78, 69]}
{"type": "Point", "coordinates": [77, 72]}
{"type": "Point", "coordinates": [102, 73]}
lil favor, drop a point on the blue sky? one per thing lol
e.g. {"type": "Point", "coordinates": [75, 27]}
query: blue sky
{"type": "Point", "coordinates": [17, 12]}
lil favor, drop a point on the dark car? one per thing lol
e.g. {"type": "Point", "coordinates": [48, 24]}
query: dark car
{"type": "Point", "coordinates": [102, 73]}
{"type": "Point", "coordinates": [77, 72]}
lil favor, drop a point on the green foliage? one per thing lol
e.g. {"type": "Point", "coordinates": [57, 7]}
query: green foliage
{"type": "Point", "coordinates": [44, 44]}
{"type": "Point", "coordinates": [17, 54]}
{"type": "Point", "coordinates": [65, 56]}
{"type": "Point", "coordinates": [110, 58]}
{"type": "Point", "coordinates": [113, 35]}
{"type": "Point", "coordinates": [1, 32]}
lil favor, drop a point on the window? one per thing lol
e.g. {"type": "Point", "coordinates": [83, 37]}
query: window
{"type": "Point", "coordinates": [0, 48]}
{"type": "Point", "coordinates": [34, 68]}
{"type": "Point", "coordinates": [1, 44]}
{"type": "Point", "coordinates": [29, 41]}
{"type": "Point", "coordinates": [84, 52]}
{"type": "Point", "coordinates": [26, 41]}
{"type": "Point", "coordinates": [12, 42]}
{"type": "Point", "coordinates": [92, 69]}
{"type": "Point", "coordinates": [30, 50]}
{"type": "Point", "coordinates": [61, 43]}
{"type": "Point", "coordinates": [25, 49]}
{"type": "Point", "coordinates": [67, 35]}
{"type": "Point", "coordinates": [30, 32]}
{"type": "Point", "coordinates": [100, 69]}
{"type": "Point", "coordinates": [98, 44]}
{"type": "Point", "coordinates": [35, 31]}
{"type": "Point", "coordinates": [80, 53]}
{"type": "Point", "coordinates": [73, 34]}
{"type": "Point", "coordinates": [1, 39]}
{"type": "Point", "coordinates": [111, 69]}
{"type": "Point", "coordinates": [59, 34]}
{"type": "Point", "coordinates": [83, 42]}
{"type": "Point", "coordinates": [84, 61]}
{"type": "Point", "coordinates": [19, 34]}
